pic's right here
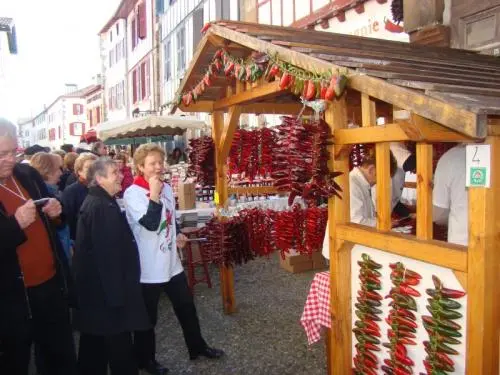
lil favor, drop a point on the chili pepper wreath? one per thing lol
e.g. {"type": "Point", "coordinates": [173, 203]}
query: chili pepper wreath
{"type": "Point", "coordinates": [310, 86]}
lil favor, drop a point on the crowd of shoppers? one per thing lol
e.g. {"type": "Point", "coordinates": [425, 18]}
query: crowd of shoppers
{"type": "Point", "coordinates": [67, 244]}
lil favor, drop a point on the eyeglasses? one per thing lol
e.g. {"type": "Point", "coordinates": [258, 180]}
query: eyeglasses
{"type": "Point", "coordinates": [8, 154]}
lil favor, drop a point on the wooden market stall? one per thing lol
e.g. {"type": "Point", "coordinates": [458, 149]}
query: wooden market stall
{"type": "Point", "coordinates": [446, 95]}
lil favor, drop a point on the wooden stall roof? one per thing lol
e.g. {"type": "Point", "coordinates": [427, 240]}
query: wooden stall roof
{"type": "Point", "coordinates": [455, 88]}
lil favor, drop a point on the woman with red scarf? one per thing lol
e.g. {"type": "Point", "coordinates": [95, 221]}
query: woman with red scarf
{"type": "Point", "coordinates": [127, 180]}
{"type": "Point", "coordinates": [150, 208]}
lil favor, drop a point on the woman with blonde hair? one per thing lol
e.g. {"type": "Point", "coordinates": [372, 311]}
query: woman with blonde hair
{"type": "Point", "coordinates": [49, 167]}
{"type": "Point", "coordinates": [74, 194]}
{"type": "Point", "coordinates": [68, 177]}
{"type": "Point", "coordinates": [150, 208]}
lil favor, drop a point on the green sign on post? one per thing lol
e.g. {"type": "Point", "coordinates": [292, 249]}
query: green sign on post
{"type": "Point", "coordinates": [477, 176]}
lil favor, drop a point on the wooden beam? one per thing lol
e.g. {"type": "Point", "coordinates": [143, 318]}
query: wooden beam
{"type": "Point", "coordinates": [226, 273]}
{"type": "Point", "coordinates": [340, 254]}
{"type": "Point", "coordinates": [424, 191]}
{"type": "Point", "coordinates": [275, 109]}
{"type": "Point", "coordinates": [264, 91]}
{"type": "Point", "coordinates": [232, 120]}
{"type": "Point", "coordinates": [483, 258]}
{"type": "Point", "coordinates": [434, 252]}
{"type": "Point", "coordinates": [384, 193]}
{"type": "Point", "coordinates": [399, 132]}
{"type": "Point", "coordinates": [368, 111]}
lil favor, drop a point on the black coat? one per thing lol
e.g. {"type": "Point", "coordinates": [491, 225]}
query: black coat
{"type": "Point", "coordinates": [14, 303]}
{"type": "Point", "coordinates": [107, 270]}
{"type": "Point", "coordinates": [72, 200]}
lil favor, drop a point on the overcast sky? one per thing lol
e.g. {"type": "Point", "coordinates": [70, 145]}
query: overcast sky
{"type": "Point", "coordinates": [57, 43]}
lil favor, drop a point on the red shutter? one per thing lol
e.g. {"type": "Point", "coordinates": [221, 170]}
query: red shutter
{"type": "Point", "coordinates": [134, 86]}
{"type": "Point", "coordinates": [134, 33]}
{"type": "Point", "coordinates": [143, 24]}
{"type": "Point", "coordinates": [72, 128]}
{"type": "Point", "coordinates": [75, 109]}
{"type": "Point", "coordinates": [98, 115]}
{"type": "Point", "coordinates": [143, 80]}
{"type": "Point", "coordinates": [83, 128]}
{"type": "Point", "coordinates": [90, 118]}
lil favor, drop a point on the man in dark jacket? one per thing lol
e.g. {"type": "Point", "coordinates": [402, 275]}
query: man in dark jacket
{"type": "Point", "coordinates": [107, 272]}
{"type": "Point", "coordinates": [34, 276]}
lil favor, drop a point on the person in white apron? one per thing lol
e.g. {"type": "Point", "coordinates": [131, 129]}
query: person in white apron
{"type": "Point", "coordinates": [150, 209]}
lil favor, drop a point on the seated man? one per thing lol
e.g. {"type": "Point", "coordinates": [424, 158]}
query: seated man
{"type": "Point", "coordinates": [361, 181]}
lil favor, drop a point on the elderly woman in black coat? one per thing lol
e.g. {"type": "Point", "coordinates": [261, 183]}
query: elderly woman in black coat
{"type": "Point", "coordinates": [107, 273]}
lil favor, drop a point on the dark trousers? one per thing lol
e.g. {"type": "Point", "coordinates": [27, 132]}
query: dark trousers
{"type": "Point", "coordinates": [179, 294]}
{"type": "Point", "coordinates": [97, 352]}
{"type": "Point", "coordinates": [49, 329]}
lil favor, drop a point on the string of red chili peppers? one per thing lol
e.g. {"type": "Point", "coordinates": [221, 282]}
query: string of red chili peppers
{"type": "Point", "coordinates": [302, 83]}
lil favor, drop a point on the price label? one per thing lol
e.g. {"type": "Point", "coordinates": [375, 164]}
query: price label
{"type": "Point", "coordinates": [216, 197]}
{"type": "Point", "coordinates": [478, 164]}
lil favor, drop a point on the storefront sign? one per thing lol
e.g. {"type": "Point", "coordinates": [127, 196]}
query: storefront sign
{"type": "Point", "coordinates": [374, 22]}
{"type": "Point", "coordinates": [478, 163]}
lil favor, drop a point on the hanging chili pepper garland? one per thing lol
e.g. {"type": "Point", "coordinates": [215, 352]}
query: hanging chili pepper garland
{"type": "Point", "coordinates": [442, 329]}
{"type": "Point", "coordinates": [308, 85]}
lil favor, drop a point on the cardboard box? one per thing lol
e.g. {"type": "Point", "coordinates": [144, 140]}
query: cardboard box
{"type": "Point", "coordinates": [186, 193]}
{"type": "Point", "coordinates": [294, 259]}
{"type": "Point", "coordinates": [297, 268]}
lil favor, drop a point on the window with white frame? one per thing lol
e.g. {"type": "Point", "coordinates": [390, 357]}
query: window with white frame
{"type": "Point", "coordinates": [167, 60]}
{"type": "Point", "coordinates": [181, 49]}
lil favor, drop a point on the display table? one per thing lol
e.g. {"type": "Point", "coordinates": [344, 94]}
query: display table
{"type": "Point", "coordinates": [317, 308]}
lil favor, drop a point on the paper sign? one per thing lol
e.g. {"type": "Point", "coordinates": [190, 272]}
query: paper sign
{"type": "Point", "coordinates": [216, 198]}
{"type": "Point", "coordinates": [478, 164]}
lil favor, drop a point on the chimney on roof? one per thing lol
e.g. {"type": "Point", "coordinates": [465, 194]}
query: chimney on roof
{"type": "Point", "coordinates": [70, 88]}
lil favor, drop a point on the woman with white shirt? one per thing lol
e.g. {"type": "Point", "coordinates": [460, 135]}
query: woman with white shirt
{"type": "Point", "coordinates": [361, 181]}
{"type": "Point", "coordinates": [150, 208]}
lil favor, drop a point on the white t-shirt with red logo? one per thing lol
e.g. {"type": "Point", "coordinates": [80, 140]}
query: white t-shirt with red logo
{"type": "Point", "coordinates": [157, 249]}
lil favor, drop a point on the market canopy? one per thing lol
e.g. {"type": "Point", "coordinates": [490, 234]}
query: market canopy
{"type": "Point", "coordinates": [147, 126]}
{"type": "Point", "coordinates": [455, 88]}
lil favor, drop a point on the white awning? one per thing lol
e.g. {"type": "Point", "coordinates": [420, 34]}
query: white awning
{"type": "Point", "coordinates": [148, 126]}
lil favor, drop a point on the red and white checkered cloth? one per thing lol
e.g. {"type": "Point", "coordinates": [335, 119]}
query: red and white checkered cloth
{"type": "Point", "coordinates": [317, 308]}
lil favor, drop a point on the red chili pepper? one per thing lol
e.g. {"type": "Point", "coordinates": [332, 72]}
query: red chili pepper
{"type": "Point", "coordinates": [273, 72]}
{"type": "Point", "coordinates": [370, 278]}
{"type": "Point", "coordinates": [285, 80]}
{"type": "Point", "coordinates": [444, 358]}
{"type": "Point", "coordinates": [218, 65]}
{"type": "Point", "coordinates": [370, 295]}
{"type": "Point", "coordinates": [371, 356]}
{"type": "Point", "coordinates": [410, 281]}
{"type": "Point", "coordinates": [388, 362]}
{"type": "Point", "coordinates": [371, 324]}
{"type": "Point", "coordinates": [229, 68]}
{"type": "Point", "coordinates": [400, 268]}
{"type": "Point", "coordinates": [404, 312]}
{"type": "Point", "coordinates": [406, 322]}
{"type": "Point", "coordinates": [406, 341]}
{"type": "Point", "coordinates": [310, 90]}
{"type": "Point", "coordinates": [401, 371]}
{"type": "Point", "coordinates": [218, 54]}
{"type": "Point", "coordinates": [323, 90]}
{"type": "Point", "coordinates": [452, 293]}
{"type": "Point", "coordinates": [404, 359]}
{"type": "Point", "coordinates": [330, 92]}
{"type": "Point", "coordinates": [205, 27]}
{"type": "Point", "coordinates": [401, 349]}
{"type": "Point", "coordinates": [407, 290]}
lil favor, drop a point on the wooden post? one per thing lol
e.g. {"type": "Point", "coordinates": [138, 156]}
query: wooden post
{"type": "Point", "coordinates": [340, 254]}
{"type": "Point", "coordinates": [483, 318]}
{"type": "Point", "coordinates": [226, 273]}
{"type": "Point", "coordinates": [424, 191]}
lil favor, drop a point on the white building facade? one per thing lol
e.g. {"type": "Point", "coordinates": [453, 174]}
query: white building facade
{"type": "Point", "coordinates": [114, 56]}
{"type": "Point", "coordinates": [180, 25]}
{"type": "Point", "coordinates": [64, 121]}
